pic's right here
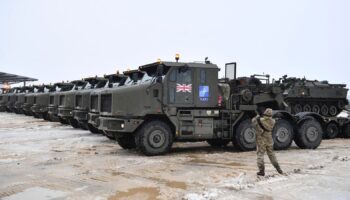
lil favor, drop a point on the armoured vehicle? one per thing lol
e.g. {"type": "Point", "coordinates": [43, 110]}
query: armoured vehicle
{"type": "Point", "coordinates": [10, 105]}
{"type": "Point", "coordinates": [314, 96]}
{"type": "Point", "coordinates": [66, 103]}
{"type": "Point", "coordinates": [29, 100]}
{"type": "Point", "coordinates": [54, 95]}
{"type": "Point", "coordinates": [187, 102]}
{"type": "Point", "coordinates": [134, 77]}
{"type": "Point", "coordinates": [113, 80]}
{"type": "Point", "coordinates": [20, 99]}
{"type": "Point", "coordinates": [82, 100]}
{"type": "Point", "coordinates": [41, 102]}
{"type": "Point", "coordinates": [4, 99]}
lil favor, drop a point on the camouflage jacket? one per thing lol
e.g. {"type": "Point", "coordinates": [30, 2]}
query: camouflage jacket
{"type": "Point", "coordinates": [267, 124]}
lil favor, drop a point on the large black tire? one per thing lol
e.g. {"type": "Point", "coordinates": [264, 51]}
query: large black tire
{"type": "Point", "coordinates": [37, 115]}
{"type": "Point", "coordinates": [244, 136]}
{"type": "Point", "coordinates": [282, 135]}
{"type": "Point", "coordinates": [93, 129]}
{"type": "Point", "coordinates": [309, 134]}
{"type": "Point", "coordinates": [127, 141]}
{"type": "Point", "coordinates": [46, 116]}
{"type": "Point", "coordinates": [218, 142]}
{"type": "Point", "coordinates": [109, 134]}
{"type": "Point", "coordinates": [83, 125]}
{"type": "Point", "coordinates": [63, 121]}
{"type": "Point", "coordinates": [332, 131]}
{"type": "Point", "coordinates": [346, 131]}
{"type": "Point", "coordinates": [74, 123]}
{"type": "Point", "coordinates": [154, 138]}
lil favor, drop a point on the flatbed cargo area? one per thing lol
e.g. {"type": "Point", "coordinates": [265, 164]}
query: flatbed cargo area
{"type": "Point", "coordinates": [48, 160]}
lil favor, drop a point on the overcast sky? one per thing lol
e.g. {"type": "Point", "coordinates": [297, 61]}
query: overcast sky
{"type": "Point", "coordinates": [55, 40]}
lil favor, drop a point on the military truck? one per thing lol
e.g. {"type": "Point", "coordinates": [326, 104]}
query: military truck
{"type": "Point", "coordinates": [187, 102]}
{"type": "Point", "coordinates": [66, 103]}
{"type": "Point", "coordinates": [41, 102]}
{"type": "Point", "coordinates": [10, 105]}
{"type": "Point", "coordinates": [4, 99]}
{"type": "Point", "coordinates": [113, 80]}
{"type": "Point", "coordinates": [54, 95]}
{"type": "Point", "coordinates": [82, 100]}
{"type": "Point", "coordinates": [321, 97]}
{"type": "Point", "coordinates": [20, 99]}
{"type": "Point", "coordinates": [134, 77]}
{"type": "Point", "coordinates": [29, 100]}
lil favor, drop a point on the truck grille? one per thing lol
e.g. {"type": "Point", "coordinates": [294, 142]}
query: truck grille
{"type": "Point", "coordinates": [94, 102]}
{"type": "Point", "coordinates": [61, 100]}
{"type": "Point", "coordinates": [25, 99]}
{"type": "Point", "coordinates": [78, 101]}
{"type": "Point", "coordinates": [106, 103]}
{"type": "Point", "coordinates": [34, 100]}
{"type": "Point", "coordinates": [52, 99]}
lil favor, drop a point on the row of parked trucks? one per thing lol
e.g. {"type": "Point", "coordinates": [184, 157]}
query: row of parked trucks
{"type": "Point", "coordinates": [165, 102]}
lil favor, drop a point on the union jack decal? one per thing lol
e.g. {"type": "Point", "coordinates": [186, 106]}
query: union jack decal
{"type": "Point", "coordinates": [183, 88]}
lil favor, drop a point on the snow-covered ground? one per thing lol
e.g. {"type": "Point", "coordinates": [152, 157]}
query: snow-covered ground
{"type": "Point", "coordinates": [45, 160]}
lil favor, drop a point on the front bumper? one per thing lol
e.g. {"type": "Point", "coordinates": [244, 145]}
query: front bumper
{"type": "Point", "coordinates": [65, 113]}
{"type": "Point", "coordinates": [27, 107]}
{"type": "Point", "coordinates": [39, 109]}
{"type": "Point", "coordinates": [118, 124]}
{"type": "Point", "coordinates": [80, 115]}
{"type": "Point", "coordinates": [93, 118]}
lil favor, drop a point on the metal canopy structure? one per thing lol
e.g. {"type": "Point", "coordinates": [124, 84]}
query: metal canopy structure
{"type": "Point", "coordinates": [13, 78]}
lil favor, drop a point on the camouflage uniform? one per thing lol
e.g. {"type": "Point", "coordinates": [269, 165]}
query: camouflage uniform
{"type": "Point", "coordinates": [264, 141]}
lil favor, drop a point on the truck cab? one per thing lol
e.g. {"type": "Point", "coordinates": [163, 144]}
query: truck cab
{"type": "Point", "coordinates": [54, 99]}
{"type": "Point", "coordinates": [82, 100]}
{"type": "Point", "coordinates": [113, 81]}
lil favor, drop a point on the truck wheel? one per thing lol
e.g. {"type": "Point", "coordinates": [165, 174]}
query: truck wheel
{"type": "Point", "coordinates": [218, 142]}
{"type": "Point", "coordinates": [307, 108]}
{"type": "Point", "coordinates": [309, 134]}
{"type": "Point", "coordinates": [154, 138]}
{"type": "Point", "coordinates": [297, 108]}
{"type": "Point", "coordinates": [74, 123]}
{"type": "Point", "coordinates": [324, 110]}
{"type": "Point", "coordinates": [282, 135]}
{"type": "Point", "coordinates": [127, 141]}
{"type": "Point", "coordinates": [83, 125]}
{"type": "Point", "coordinates": [332, 131]}
{"type": "Point", "coordinates": [109, 134]}
{"type": "Point", "coordinates": [92, 129]}
{"type": "Point", "coordinates": [346, 131]}
{"type": "Point", "coordinates": [63, 121]}
{"type": "Point", "coordinates": [46, 116]}
{"type": "Point", "coordinates": [244, 137]}
{"type": "Point", "coordinates": [316, 109]}
{"type": "Point", "coordinates": [333, 111]}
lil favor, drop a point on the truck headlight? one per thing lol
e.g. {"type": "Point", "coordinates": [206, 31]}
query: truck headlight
{"type": "Point", "coordinates": [122, 125]}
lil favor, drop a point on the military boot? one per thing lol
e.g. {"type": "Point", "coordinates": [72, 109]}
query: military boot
{"type": "Point", "coordinates": [279, 170]}
{"type": "Point", "coordinates": [261, 171]}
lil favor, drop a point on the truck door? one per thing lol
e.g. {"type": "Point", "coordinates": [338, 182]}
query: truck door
{"type": "Point", "coordinates": [180, 90]}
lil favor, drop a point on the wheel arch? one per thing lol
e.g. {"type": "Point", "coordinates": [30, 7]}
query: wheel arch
{"type": "Point", "coordinates": [163, 118]}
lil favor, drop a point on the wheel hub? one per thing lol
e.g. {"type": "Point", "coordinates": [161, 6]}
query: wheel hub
{"type": "Point", "coordinates": [282, 134]}
{"type": "Point", "coordinates": [312, 134]}
{"type": "Point", "coordinates": [249, 135]}
{"type": "Point", "coordinates": [156, 138]}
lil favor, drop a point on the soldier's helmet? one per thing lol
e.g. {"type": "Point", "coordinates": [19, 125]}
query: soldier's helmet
{"type": "Point", "coordinates": [268, 112]}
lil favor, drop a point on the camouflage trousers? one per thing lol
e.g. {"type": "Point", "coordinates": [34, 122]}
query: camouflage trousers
{"type": "Point", "coordinates": [264, 144]}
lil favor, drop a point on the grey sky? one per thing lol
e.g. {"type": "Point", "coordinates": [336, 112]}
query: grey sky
{"type": "Point", "coordinates": [70, 39]}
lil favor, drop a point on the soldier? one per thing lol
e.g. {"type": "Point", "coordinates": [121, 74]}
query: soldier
{"type": "Point", "coordinates": [264, 126]}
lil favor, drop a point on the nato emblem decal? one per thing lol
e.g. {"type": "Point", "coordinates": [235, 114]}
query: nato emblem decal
{"type": "Point", "coordinates": [204, 93]}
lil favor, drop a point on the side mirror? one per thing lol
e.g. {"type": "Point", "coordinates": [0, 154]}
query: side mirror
{"type": "Point", "coordinates": [159, 79]}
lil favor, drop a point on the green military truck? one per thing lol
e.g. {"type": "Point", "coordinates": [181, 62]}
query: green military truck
{"type": "Point", "coordinates": [29, 99]}
{"type": "Point", "coordinates": [10, 105]}
{"type": "Point", "coordinates": [66, 103]}
{"type": "Point", "coordinates": [82, 100]}
{"type": "Point", "coordinates": [20, 99]}
{"type": "Point", "coordinates": [113, 80]}
{"type": "Point", "coordinates": [134, 77]}
{"type": "Point", "coordinates": [41, 102]}
{"type": "Point", "coordinates": [187, 102]}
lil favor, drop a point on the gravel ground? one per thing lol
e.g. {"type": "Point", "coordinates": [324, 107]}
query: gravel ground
{"type": "Point", "coordinates": [46, 160]}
